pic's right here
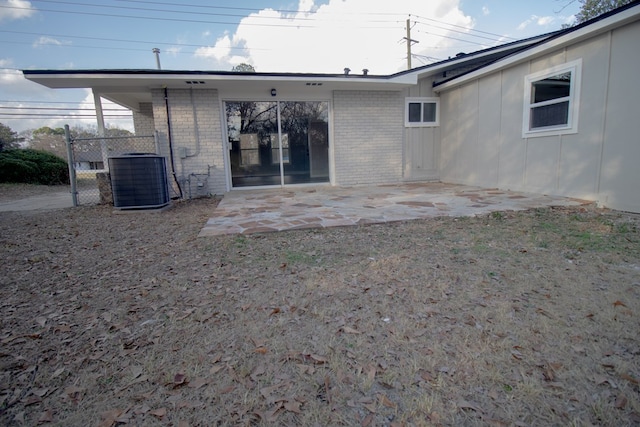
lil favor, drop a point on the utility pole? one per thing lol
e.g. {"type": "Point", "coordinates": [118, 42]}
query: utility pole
{"type": "Point", "coordinates": [410, 41]}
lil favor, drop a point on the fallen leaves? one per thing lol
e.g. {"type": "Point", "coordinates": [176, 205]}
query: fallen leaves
{"type": "Point", "coordinates": [179, 380]}
{"type": "Point", "coordinates": [158, 413]}
{"type": "Point", "coordinates": [334, 344]}
{"type": "Point", "coordinates": [348, 330]}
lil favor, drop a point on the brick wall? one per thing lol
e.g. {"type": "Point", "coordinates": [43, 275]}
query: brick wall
{"type": "Point", "coordinates": [195, 133]}
{"type": "Point", "coordinates": [368, 132]}
{"type": "Point", "coordinates": [143, 119]}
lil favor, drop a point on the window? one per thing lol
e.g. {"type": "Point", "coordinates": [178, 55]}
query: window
{"type": "Point", "coordinates": [422, 112]}
{"type": "Point", "coordinates": [551, 99]}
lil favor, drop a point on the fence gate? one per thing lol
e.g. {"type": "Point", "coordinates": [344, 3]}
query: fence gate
{"type": "Point", "coordinates": [89, 166]}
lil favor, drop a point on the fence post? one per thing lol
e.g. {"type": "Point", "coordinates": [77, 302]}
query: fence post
{"type": "Point", "coordinates": [72, 169]}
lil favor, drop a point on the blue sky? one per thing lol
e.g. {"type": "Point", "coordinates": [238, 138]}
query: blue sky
{"type": "Point", "coordinates": [272, 35]}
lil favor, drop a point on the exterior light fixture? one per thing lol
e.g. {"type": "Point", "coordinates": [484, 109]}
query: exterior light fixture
{"type": "Point", "coordinates": [273, 92]}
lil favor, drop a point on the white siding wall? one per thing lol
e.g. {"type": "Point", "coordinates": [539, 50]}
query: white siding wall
{"type": "Point", "coordinates": [482, 140]}
{"type": "Point", "coordinates": [620, 176]}
{"type": "Point", "coordinates": [421, 149]}
{"type": "Point", "coordinates": [368, 130]}
{"type": "Point", "coordinates": [195, 131]}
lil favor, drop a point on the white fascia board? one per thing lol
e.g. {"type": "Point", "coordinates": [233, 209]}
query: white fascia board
{"type": "Point", "coordinates": [62, 79]}
{"type": "Point", "coordinates": [589, 31]}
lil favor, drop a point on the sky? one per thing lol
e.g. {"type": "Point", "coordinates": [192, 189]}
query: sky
{"type": "Point", "coordinates": [319, 36]}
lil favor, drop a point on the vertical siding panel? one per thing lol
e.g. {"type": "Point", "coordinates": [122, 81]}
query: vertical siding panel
{"type": "Point", "coordinates": [620, 172]}
{"type": "Point", "coordinates": [449, 144]}
{"type": "Point", "coordinates": [489, 131]}
{"type": "Point", "coordinates": [468, 134]}
{"type": "Point", "coordinates": [579, 163]}
{"type": "Point", "coordinates": [512, 153]}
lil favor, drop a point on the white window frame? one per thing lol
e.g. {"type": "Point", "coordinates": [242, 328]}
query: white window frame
{"type": "Point", "coordinates": [575, 68]}
{"type": "Point", "coordinates": [421, 101]}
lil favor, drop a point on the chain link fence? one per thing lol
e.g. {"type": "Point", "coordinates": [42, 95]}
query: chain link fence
{"type": "Point", "coordinates": [89, 167]}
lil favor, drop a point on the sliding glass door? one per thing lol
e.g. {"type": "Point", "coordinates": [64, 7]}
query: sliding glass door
{"type": "Point", "coordinates": [278, 142]}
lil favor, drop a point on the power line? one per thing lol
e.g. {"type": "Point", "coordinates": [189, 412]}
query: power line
{"type": "Point", "coordinates": [63, 115]}
{"type": "Point", "coordinates": [58, 109]}
{"type": "Point", "coordinates": [111, 15]}
{"type": "Point", "coordinates": [112, 40]}
{"type": "Point", "coordinates": [459, 32]}
{"type": "Point", "coordinates": [451, 38]}
{"type": "Point", "coordinates": [42, 102]}
{"type": "Point", "coordinates": [158, 10]}
{"type": "Point", "coordinates": [465, 28]}
{"type": "Point", "coordinates": [248, 9]}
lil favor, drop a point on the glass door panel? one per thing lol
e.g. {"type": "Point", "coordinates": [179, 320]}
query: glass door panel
{"type": "Point", "coordinates": [259, 148]}
{"type": "Point", "coordinates": [250, 127]}
{"type": "Point", "coordinates": [306, 126]}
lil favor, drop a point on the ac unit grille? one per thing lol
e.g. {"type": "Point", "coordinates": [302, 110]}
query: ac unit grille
{"type": "Point", "coordinates": [139, 181]}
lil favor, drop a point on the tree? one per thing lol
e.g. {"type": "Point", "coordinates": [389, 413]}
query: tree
{"type": "Point", "coordinates": [50, 140]}
{"type": "Point", "coordinates": [9, 138]}
{"type": "Point", "coordinates": [592, 8]}
{"type": "Point", "coordinates": [54, 141]}
{"type": "Point", "coordinates": [243, 68]}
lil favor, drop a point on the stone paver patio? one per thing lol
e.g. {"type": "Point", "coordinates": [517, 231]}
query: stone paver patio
{"type": "Point", "coordinates": [268, 210]}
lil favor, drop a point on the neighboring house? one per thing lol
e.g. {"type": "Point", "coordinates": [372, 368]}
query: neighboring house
{"type": "Point", "coordinates": [90, 161]}
{"type": "Point", "coordinates": [554, 114]}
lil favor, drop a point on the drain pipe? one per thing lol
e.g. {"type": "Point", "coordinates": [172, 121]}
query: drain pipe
{"type": "Point", "coordinates": [173, 164]}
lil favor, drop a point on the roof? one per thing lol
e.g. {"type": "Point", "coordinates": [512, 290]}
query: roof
{"type": "Point", "coordinates": [588, 29]}
{"type": "Point", "coordinates": [129, 87]}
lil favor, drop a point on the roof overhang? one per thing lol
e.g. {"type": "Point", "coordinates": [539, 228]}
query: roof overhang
{"type": "Point", "coordinates": [591, 29]}
{"type": "Point", "coordinates": [130, 87]}
{"type": "Point", "coordinates": [415, 74]}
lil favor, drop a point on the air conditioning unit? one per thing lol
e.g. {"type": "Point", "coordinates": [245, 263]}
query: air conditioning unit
{"type": "Point", "coordinates": [139, 181]}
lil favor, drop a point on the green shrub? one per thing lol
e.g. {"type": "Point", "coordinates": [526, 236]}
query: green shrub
{"type": "Point", "coordinates": [33, 167]}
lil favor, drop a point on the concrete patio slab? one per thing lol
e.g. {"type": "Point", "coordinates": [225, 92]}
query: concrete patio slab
{"type": "Point", "coordinates": [268, 210]}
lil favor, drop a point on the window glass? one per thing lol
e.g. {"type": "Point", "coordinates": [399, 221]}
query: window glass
{"type": "Point", "coordinates": [554, 87]}
{"type": "Point", "coordinates": [414, 112]}
{"type": "Point", "coordinates": [550, 115]}
{"type": "Point", "coordinates": [429, 112]}
{"type": "Point", "coordinates": [421, 112]}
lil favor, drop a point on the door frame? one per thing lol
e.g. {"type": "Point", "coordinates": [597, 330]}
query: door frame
{"type": "Point", "coordinates": [226, 148]}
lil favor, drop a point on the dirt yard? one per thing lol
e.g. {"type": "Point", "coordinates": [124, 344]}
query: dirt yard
{"type": "Point", "coordinates": [511, 319]}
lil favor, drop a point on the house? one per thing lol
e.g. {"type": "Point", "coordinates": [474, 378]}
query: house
{"type": "Point", "coordinates": [553, 114]}
{"type": "Point", "coordinates": [90, 161]}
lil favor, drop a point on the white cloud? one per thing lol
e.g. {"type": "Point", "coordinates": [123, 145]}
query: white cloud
{"type": "Point", "coordinates": [15, 9]}
{"type": "Point", "coordinates": [174, 50]}
{"type": "Point", "coordinates": [343, 33]}
{"type": "Point", "coordinates": [221, 49]}
{"type": "Point", "coordinates": [541, 21]}
{"type": "Point", "coordinates": [6, 62]}
{"type": "Point", "coordinates": [485, 10]}
{"type": "Point", "coordinates": [545, 20]}
{"type": "Point", "coordinates": [49, 41]}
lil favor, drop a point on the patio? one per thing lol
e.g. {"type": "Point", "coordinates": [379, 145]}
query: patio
{"type": "Point", "coordinates": [268, 210]}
